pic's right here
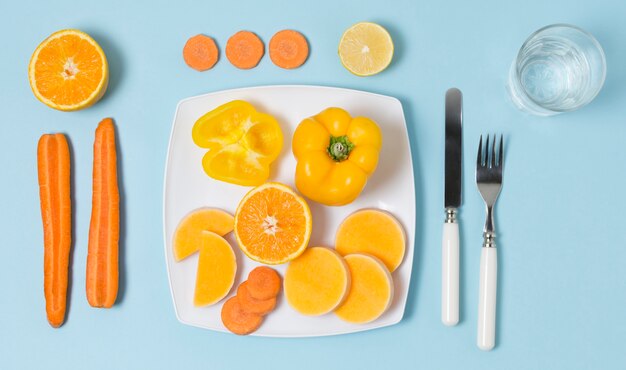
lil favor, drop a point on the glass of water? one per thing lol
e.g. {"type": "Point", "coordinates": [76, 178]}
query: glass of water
{"type": "Point", "coordinates": [559, 68]}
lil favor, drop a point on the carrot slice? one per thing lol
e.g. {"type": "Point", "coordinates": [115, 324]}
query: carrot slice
{"type": "Point", "coordinates": [253, 305]}
{"type": "Point", "coordinates": [237, 320]}
{"type": "Point", "coordinates": [53, 167]}
{"type": "Point", "coordinates": [244, 49]}
{"type": "Point", "coordinates": [263, 283]}
{"type": "Point", "coordinates": [102, 252]}
{"type": "Point", "coordinates": [200, 52]}
{"type": "Point", "coordinates": [288, 49]}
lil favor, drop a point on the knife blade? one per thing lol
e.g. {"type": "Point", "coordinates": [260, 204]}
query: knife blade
{"type": "Point", "coordinates": [454, 121]}
{"type": "Point", "coordinates": [452, 201]}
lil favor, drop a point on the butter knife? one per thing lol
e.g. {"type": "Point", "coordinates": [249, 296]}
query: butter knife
{"type": "Point", "coordinates": [452, 201]}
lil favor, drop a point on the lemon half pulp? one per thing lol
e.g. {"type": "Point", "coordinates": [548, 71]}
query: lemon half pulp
{"type": "Point", "coordinates": [366, 49]}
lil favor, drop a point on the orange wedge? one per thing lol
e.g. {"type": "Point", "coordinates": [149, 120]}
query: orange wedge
{"type": "Point", "coordinates": [273, 224]}
{"type": "Point", "coordinates": [68, 71]}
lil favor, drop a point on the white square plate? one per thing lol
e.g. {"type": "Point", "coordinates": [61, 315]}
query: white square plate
{"type": "Point", "coordinates": [187, 187]}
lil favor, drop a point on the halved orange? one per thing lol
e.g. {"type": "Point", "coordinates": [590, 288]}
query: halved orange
{"type": "Point", "coordinates": [68, 71]}
{"type": "Point", "coordinates": [273, 224]}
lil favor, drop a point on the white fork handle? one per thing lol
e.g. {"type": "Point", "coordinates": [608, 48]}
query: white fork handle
{"type": "Point", "coordinates": [450, 274]}
{"type": "Point", "coordinates": [487, 298]}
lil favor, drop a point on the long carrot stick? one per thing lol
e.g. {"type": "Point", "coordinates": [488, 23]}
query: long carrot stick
{"type": "Point", "coordinates": [53, 167]}
{"type": "Point", "coordinates": [102, 254]}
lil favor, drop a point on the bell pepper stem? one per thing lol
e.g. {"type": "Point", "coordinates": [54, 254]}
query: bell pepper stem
{"type": "Point", "coordinates": [339, 148]}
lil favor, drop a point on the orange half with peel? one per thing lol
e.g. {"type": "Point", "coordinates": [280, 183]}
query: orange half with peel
{"type": "Point", "coordinates": [273, 224]}
{"type": "Point", "coordinates": [68, 71]}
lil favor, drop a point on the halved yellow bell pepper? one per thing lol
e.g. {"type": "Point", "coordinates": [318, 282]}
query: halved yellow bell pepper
{"type": "Point", "coordinates": [336, 154]}
{"type": "Point", "coordinates": [242, 143]}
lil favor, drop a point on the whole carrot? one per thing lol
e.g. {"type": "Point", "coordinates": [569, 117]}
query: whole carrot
{"type": "Point", "coordinates": [53, 167]}
{"type": "Point", "coordinates": [102, 254]}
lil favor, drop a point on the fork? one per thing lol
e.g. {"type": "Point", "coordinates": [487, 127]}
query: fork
{"type": "Point", "coordinates": [489, 181]}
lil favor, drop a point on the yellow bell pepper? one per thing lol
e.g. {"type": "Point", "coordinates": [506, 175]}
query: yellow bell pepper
{"type": "Point", "coordinates": [242, 143]}
{"type": "Point", "coordinates": [336, 154]}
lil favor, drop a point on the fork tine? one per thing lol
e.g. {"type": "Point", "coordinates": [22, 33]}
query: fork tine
{"type": "Point", "coordinates": [501, 152]}
{"type": "Point", "coordinates": [487, 164]}
{"type": "Point", "coordinates": [492, 162]}
{"type": "Point", "coordinates": [479, 161]}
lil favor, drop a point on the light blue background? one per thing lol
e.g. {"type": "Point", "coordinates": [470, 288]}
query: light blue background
{"type": "Point", "coordinates": [562, 282]}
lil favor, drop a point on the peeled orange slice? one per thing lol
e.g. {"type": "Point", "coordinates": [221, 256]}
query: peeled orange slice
{"type": "Point", "coordinates": [317, 282]}
{"type": "Point", "coordinates": [188, 234]}
{"type": "Point", "coordinates": [68, 71]}
{"type": "Point", "coordinates": [371, 290]}
{"type": "Point", "coordinates": [273, 224]}
{"type": "Point", "coordinates": [373, 232]}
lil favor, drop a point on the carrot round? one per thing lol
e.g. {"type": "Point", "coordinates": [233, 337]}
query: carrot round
{"type": "Point", "coordinates": [53, 167]}
{"type": "Point", "coordinates": [263, 283]}
{"type": "Point", "coordinates": [252, 305]}
{"type": "Point", "coordinates": [102, 253]}
{"type": "Point", "coordinates": [288, 49]}
{"type": "Point", "coordinates": [237, 320]}
{"type": "Point", "coordinates": [200, 52]}
{"type": "Point", "coordinates": [244, 49]}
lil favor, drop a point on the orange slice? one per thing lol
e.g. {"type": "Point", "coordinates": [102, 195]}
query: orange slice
{"type": "Point", "coordinates": [374, 232]}
{"type": "Point", "coordinates": [189, 233]}
{"type": "Point", "coordinates": [273, 224]}
{"type": "Point", "coordinates": [68, 71]}
{"type": "Point", "coordinates": [371, 290]}
{"type": "Point", "coordinates": [317, 282]}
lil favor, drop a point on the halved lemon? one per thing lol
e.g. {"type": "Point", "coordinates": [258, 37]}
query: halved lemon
{"type": "Point", "coordinates": [68, 71]}
{"type": "Point", "coordinates": [366, 49]}
{"type": "Point", "coordinates": [273, 224]}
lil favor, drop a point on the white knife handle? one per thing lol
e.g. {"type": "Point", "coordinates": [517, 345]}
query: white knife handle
{"type": "Point", "coordinates": [487, 298]}
{"type": "Point", "coordinates": [450, 274]}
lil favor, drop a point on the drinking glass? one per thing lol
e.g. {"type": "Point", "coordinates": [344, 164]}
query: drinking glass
{"type": "Point", "coordinates": [559, 68]}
